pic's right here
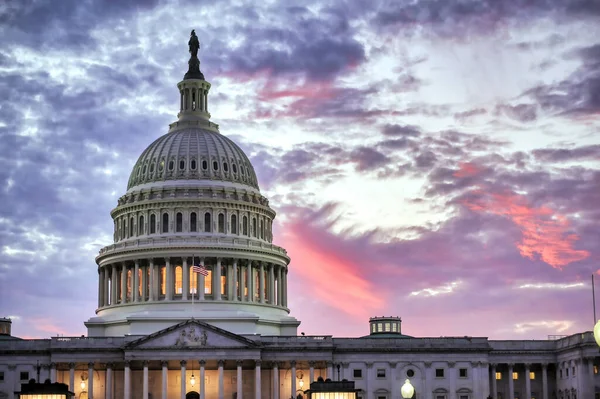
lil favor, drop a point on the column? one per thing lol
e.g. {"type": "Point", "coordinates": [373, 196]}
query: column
{"type": "Point", "coordinates": [136, 281]}
{"type": "Point", "coordinates": [279, 287]}
{"type": "Point", "coordinates": [311, 372]}
{"type": "Point", "coordinates": [109, 380]}
{"type": "Point", "coordinates": [201, 287]}
{"type": "Point", "coordinates": [395, 372]}
{"type": "Point", "coordinates": [186, 280]}
{"type": "Point", "coordinates": [144, 296]}
{"type": "Point", "coordinates": [105, 291]}
{"type": "Point", "coordinates": [168, 280]}
{"type": "Point", "coordinates": [257, 387]}
{"type": "Point", "coordinates": [123, 282]}
{"type": "Point", "coordinates": [271, 283]}
{"type": "Point", "coordinates": [494, 381]}
{"type": "Point", "coordinates": [475, 378]}
{"type": "Point", "coordinates": [221, 382]}
{"type": "Point", "coordinates": [284, 282]}
{"type": "Point", "coordinates": [275, 380]}
{"type": "Point", "coordinates": [217, 281]}
{"type": "Point", "coordinates": [91, 380]}
{"type": "Point", "coordinates": [202, 373]}
{"type": "Point", "coordinates": [545, 380]}
{"type": "Point", "coordinates": [72, 377]}
{"type": "Point", "coordinates": [590, 370]}
{"type": "Point", "coordinates": [183, 363]}
{"type": "Point", "coordinates": [367, 380]}
{"type": "Point", "coordinates": [113, 284]}
{"type": "Point", "coordinates": [243, 269]}
{"type": "Point", "coordinates": [330, 371]}
{"type": "Point", "coordinates": [527, 381]}
{"type": "Point", "coordinates": [127, 382]}
{"type": "Point", "coordinates": [151, 293]}
{"type": "Point", "coordinates": [100, 286]}
{"type": "Point", "coordinates": [165, 376]}
{"type": "Point", "coordinates": [452, 377]}
{"type": "Point", "coordinates": [261, 282]}
{"type": "Point", "coordinates": [511, 382]}
{"type": "Point", "coordinates": [239, 380]}
{"type": "Point", "coordinates": [230, 282]}
{"type": "Point", "coordinates": [250, 282]}
{"type": "Point", "coordinates": [145, 389]}
{"type": "Point", "coordinates": [53, 372]}
{"type": "Point", "coordinates": [234, 281]}
{"type": "Point", "coordinates": [293, 378]}
{"type": "Point", "coordinates": [428, 386]}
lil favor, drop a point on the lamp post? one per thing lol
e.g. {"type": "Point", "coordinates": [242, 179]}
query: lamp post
{"type": "Point", "coordinates": [407, 390]}
{"type": "Point", "coordinates": [597, 332]}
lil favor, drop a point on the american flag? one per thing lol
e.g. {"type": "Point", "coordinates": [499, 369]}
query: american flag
{"type": "Point", "coordinates": [199, 269]}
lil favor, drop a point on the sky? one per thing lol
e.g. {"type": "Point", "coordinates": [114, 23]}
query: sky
{"type": "Point", "coordinates": [433, 160]}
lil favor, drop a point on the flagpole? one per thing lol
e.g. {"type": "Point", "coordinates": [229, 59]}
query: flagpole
{"type": "Point", "coordinates": [594, 298]}
{"type": "Point", "coordinates": [193, 292]}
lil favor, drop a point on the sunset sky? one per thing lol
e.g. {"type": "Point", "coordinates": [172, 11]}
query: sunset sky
{"type": "Point", "coordinates": [433, 160]}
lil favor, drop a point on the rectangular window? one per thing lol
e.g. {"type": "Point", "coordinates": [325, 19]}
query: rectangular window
{"type": "Point", "coordinates": [178, 280]}
{"type": "Point", "coordinates": [462, 373]}
{"type": "Point", "coordinates": [394, 327]}
{"type": "Point", "coordinates": [439, 373]}
{"type": "Point", "coordinates": [440, 396]}
{"type": "Point", "coordinates": [595, 369]}
{"type": "Point", "coordinates": [381, 397]}
{"type": "Point", "coordinates": [560, 373]}
{"type": "Point", "coordinates": [1, 376]}
{"type": "Point", "coordinates": [387, 327]}
{"type": "Point", "coordinates": [208, 283]}
{"type": "Point", "coordinates": [532, 375]}
{"type": "Point", "coordinates": [573, 371]}
{"type": "Point", "coordinates": [515, 375]}
{"type": "Point", "coordinates": [380, 373]}
{"type": "Point", "coordinates": [567, 371]}
{"type": "Point", "coordinates": [163, 280]}
{"type": "Point", "coordinates": [24, 376]}
{"type": "Point", "coordinates": [498, 375]}
{"type": "Point", "coordinates": [464, 397]}
{"type": "Point", "coordinates": [357, 373]}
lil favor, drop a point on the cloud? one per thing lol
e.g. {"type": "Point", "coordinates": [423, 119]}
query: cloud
{"type": "Point", "coordinates": [590, 152]}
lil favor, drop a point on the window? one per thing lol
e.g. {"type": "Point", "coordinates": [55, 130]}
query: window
{"type": "Point", "coordinates": [440, 396]}
{"type": "Point", "coordinates": [1, 376]}
{"type": "Point", "coordinates": [498, 375]}
{"type": "Point", "coordinates": [207, 226]}
{"type": "Point", "coordinates": [241, 169]}
{"type": "Point", "coordinates": [573, 373]}
{"type": "Point", "coordinates": [410, 373]}
{"type": "Point", "coordinates": [595, 369]}
{"type": "Point", "coordinates": [171, 165]}
{"type": "Point", "coordinates": [380, 373]}
{"type": "Point", "coordinates": [165, 223]}
{"type": "Point", "coordinates": [357, 373]}
{"type": "Point", "coordinates": [245, 225]}
{"type": "Point", "coordinates": [178, 280]}
{"type": "Point", "coordinates": [131, 227]}
{"type": "Point", "coordinates": [567, 372]}
{"type": "Point", "coordinates": [253, 227]}
{"type": "Point", "coordinates": [388, 327]}
{"type": "Point", "coordinates": [224, 280]}
{"type": "Point", "coordinates": [193, 221]}
{"type": "Point", "coordinates": [382, 397]}
{"type": "Point", "coordinates": [221, 219]}
{"type": "Point", "coordinates": [141, 225]}
{"type": "Point", "coordinates": [515, 375]}
{"type": "Point", "coordinates": [152, 224]}
{"type": "Point", "coordinates": [532, 375]}
{"type": "Point", "coordinates": [193, 164]}
{"type": "Point", "coordinates": [161, 165]}
{"type": "Point", "coordinates": [193, 282]}
{"type": "Point", "coordinates": [225, 167]}
{"type": "Point", "coordinates": [439, 373]}
{"type": "Point", "coordinates": [215, 165]}
{"type": "Point", "coordinates": [379, 327]}
{"type": "Point", "coordinates": [163, 280]}
{"type": "Point", "coordinates": [234, 168]}
{"type": "Point", "coordinates": [24, 376]}
{"type": "Point", "coordinates": [462, 373]}
{"type": "Point", "coordinates": [233, 224]}
{"type": "Point", "coordinates": [208, 282]}
{"type": "Point", "coordinates": [181, 164]}
{"type": "Point", "coordinates": [204, 165]}
{"type": "Point", "coordinates": [560, 374]}
{"type": "Point", "coordinates": [394, 327]}
{"type": "Point", "coordinates": [179, 222]}
{"type": "Point", "coordinates": [463, 397]}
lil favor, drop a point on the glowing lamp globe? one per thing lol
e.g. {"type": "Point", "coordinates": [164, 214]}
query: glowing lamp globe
{"type": "Point", "coordinates": [407, 390]}
{"type": "Point", "coordinates": [597, 332]}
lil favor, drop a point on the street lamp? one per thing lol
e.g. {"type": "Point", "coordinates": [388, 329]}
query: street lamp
{"type": "Point", "coordinates": [407, 390]}
{"type": "Point", "coordinates": [597, 332]}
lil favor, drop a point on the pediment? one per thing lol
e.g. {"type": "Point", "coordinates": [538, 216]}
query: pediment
{"type": "Point", "coordinates": [192, 334]}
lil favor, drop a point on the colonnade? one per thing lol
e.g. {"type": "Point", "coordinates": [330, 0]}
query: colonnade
{"type": "Point", "coordinates": [172, 278]}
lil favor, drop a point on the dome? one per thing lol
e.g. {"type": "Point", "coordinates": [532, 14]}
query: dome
{"type": "Point", "coordinates": [193, 153]}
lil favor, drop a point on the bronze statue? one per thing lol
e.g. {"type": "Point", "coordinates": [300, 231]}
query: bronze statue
{"type": "Point", "coordinates": [194, 44]}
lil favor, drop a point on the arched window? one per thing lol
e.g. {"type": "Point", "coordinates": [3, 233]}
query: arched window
{"type": "Point", "coordinates": [131, 227]}
{"type": "Point", "coordinates": [262, 230]}
{"type": "Point", "coordinates": [141, 225]}
{"type": "Point", "coordinates": [193, 164]}
{"type": "Point", "coordinates": [204, 165]}
{"type": "Point", "coordinates": [179, 222]}
{"type": "Point", "coordinates": [253, 227]}
{"type": "Point", "coordinates": [171, 164]}
{"type": "Point", "coordinates": [165, 223]}
{"type": "Point", "coordinates": [152, 224]}
{"type": "Point", "coordinates": [221, 220]}
{"type": "Point", "coordinates": [225, 167]}
{"type": "Point", "coordinates": [215, 165]}
{"type": "Point", "coordinates": [182, 164]}
{"type": "Point", "coordinates": [233, 224]}
{"type": "Point", "coordinates": [234, 168]}
{"type": "Point", "coordinates": [245, 225]}
{"type": "Point", "coordinates": [207, 226]}
{"type": "Point", "coordinates": [193, 221]}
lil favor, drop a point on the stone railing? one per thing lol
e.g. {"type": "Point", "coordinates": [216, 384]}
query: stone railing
{"type": "Point", "coordinates": [308, 340]}
{"type": "Point", "coordinates": [523, 345]}
{"type": "Point", "coordinates": [194, 242]}
{"type": "Point", "coordinates": [87, 342]}
{"type": "Point", "coordinates": [463, 343]}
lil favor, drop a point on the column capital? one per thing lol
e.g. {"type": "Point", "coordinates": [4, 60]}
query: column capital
{"type": "Point", "coordinates": [145, 363]}
{"type": "Point", "coordinates": [510, 365]}
{"type": "Point", "coordinates": [451, 364]}
{"type": "Point", "coordinates": [202, 362]}
{"type": "Point", "coordinates": [91, 365]}
{"type": "Point", "coordinates": [71, 365]}
{"type": "Point", "coordinates": [164, 363]}
{"type": "Point", "coordinates": [346, 364]}
{"type": "Point", "coordinates": [221, 362]}
{"type": "Point", "coordinates": [127, 363]}
{"type": "Point", "coordinates": [239, 362]}
{"type": "Point", "coordinates": [527, 366]}
{"type": "Point", "coordinates": [257, 362]}
{"type": "Point", "coordinates": [392, 364]}
{"type": "Point", "coordinates": [329, 363]}
{"type": "Point", "coordinates": [427, 364]}
{"type": "Point", "coordinates": [183, 363]}
{"type": "Point", "coordinates": [110, 365]}
{"type": "Point", "coordinates": [45, 366]}
{"type": "Point", "coordinates": [545, 365]}
{"type": "Point", "coordinates": [12, 367]}
{"type": "Point", "coordinates": [275, 365]}
{"type": "Point", "coordinates": [312, 363]}
{"type": "Point", "coordinates": [293, 363]}
{"type": "Point", "coordinates": [52, 365]}
{"type": "Point", "coordinates": [369, 364]}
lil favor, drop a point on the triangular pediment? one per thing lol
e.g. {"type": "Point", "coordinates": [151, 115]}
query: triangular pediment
{"type": "Point", "coordinates": [192, 334]}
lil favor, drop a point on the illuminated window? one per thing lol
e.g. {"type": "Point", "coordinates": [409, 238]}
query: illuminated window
{"type": "Point", "coordinates": [373, 327]}
{"type": "Point", "coordinates": [387, 327]}
{"type": "Point", "coordinates": [129, 284]}
{"type": "Point", "coordinates": [515, 376]}
{"type": "Point", "coordinates": [208, 282]}
{"type": "Point", "coordinates": [379, 327]}
{"type": "Point", "coordinates": [193, 282]}
{"type": "Point", "coordinates": [532, 375]}
{"type": "Point", "coordinates": [498, 375]}
{"type": "Point", "coordinates": [595, 369]}
{"type": "Point", "coordinates": [165, 223]}
{"type": "Point", "coordinates": [179, 222]}
{"type": "Point", "coordinates": [178, 280]}
{"type": "Point", "coordinates": [394, 327]}
{"type": "Point", "coordinates": [139, 287]}
{"type": "Point", "coordinates": [221, 220]}
{"type": "Point", "coordinates": [207, 226]}
{"type": "Point", "coordinates": [233, 224]}
{"type": "Point", "coordinates": [152, 224]}
{"type": "Point", "coordinates": [223, 280]}
{"type": "Point", "coordinates": [193, 217]}
{"type": "Point", "coordinates": [163, 281]}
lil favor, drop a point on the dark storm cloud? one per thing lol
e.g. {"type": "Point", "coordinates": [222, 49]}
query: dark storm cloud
{"type": "Point", "coordinates": [401, 130]}
{"type": "Point", "coordinates": [590, 152]}
{"type": "Point", "coordinates": [367, 158]}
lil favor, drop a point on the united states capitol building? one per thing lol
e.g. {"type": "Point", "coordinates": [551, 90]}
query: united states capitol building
{"type": "Point", "coordinates": [163, 329]}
